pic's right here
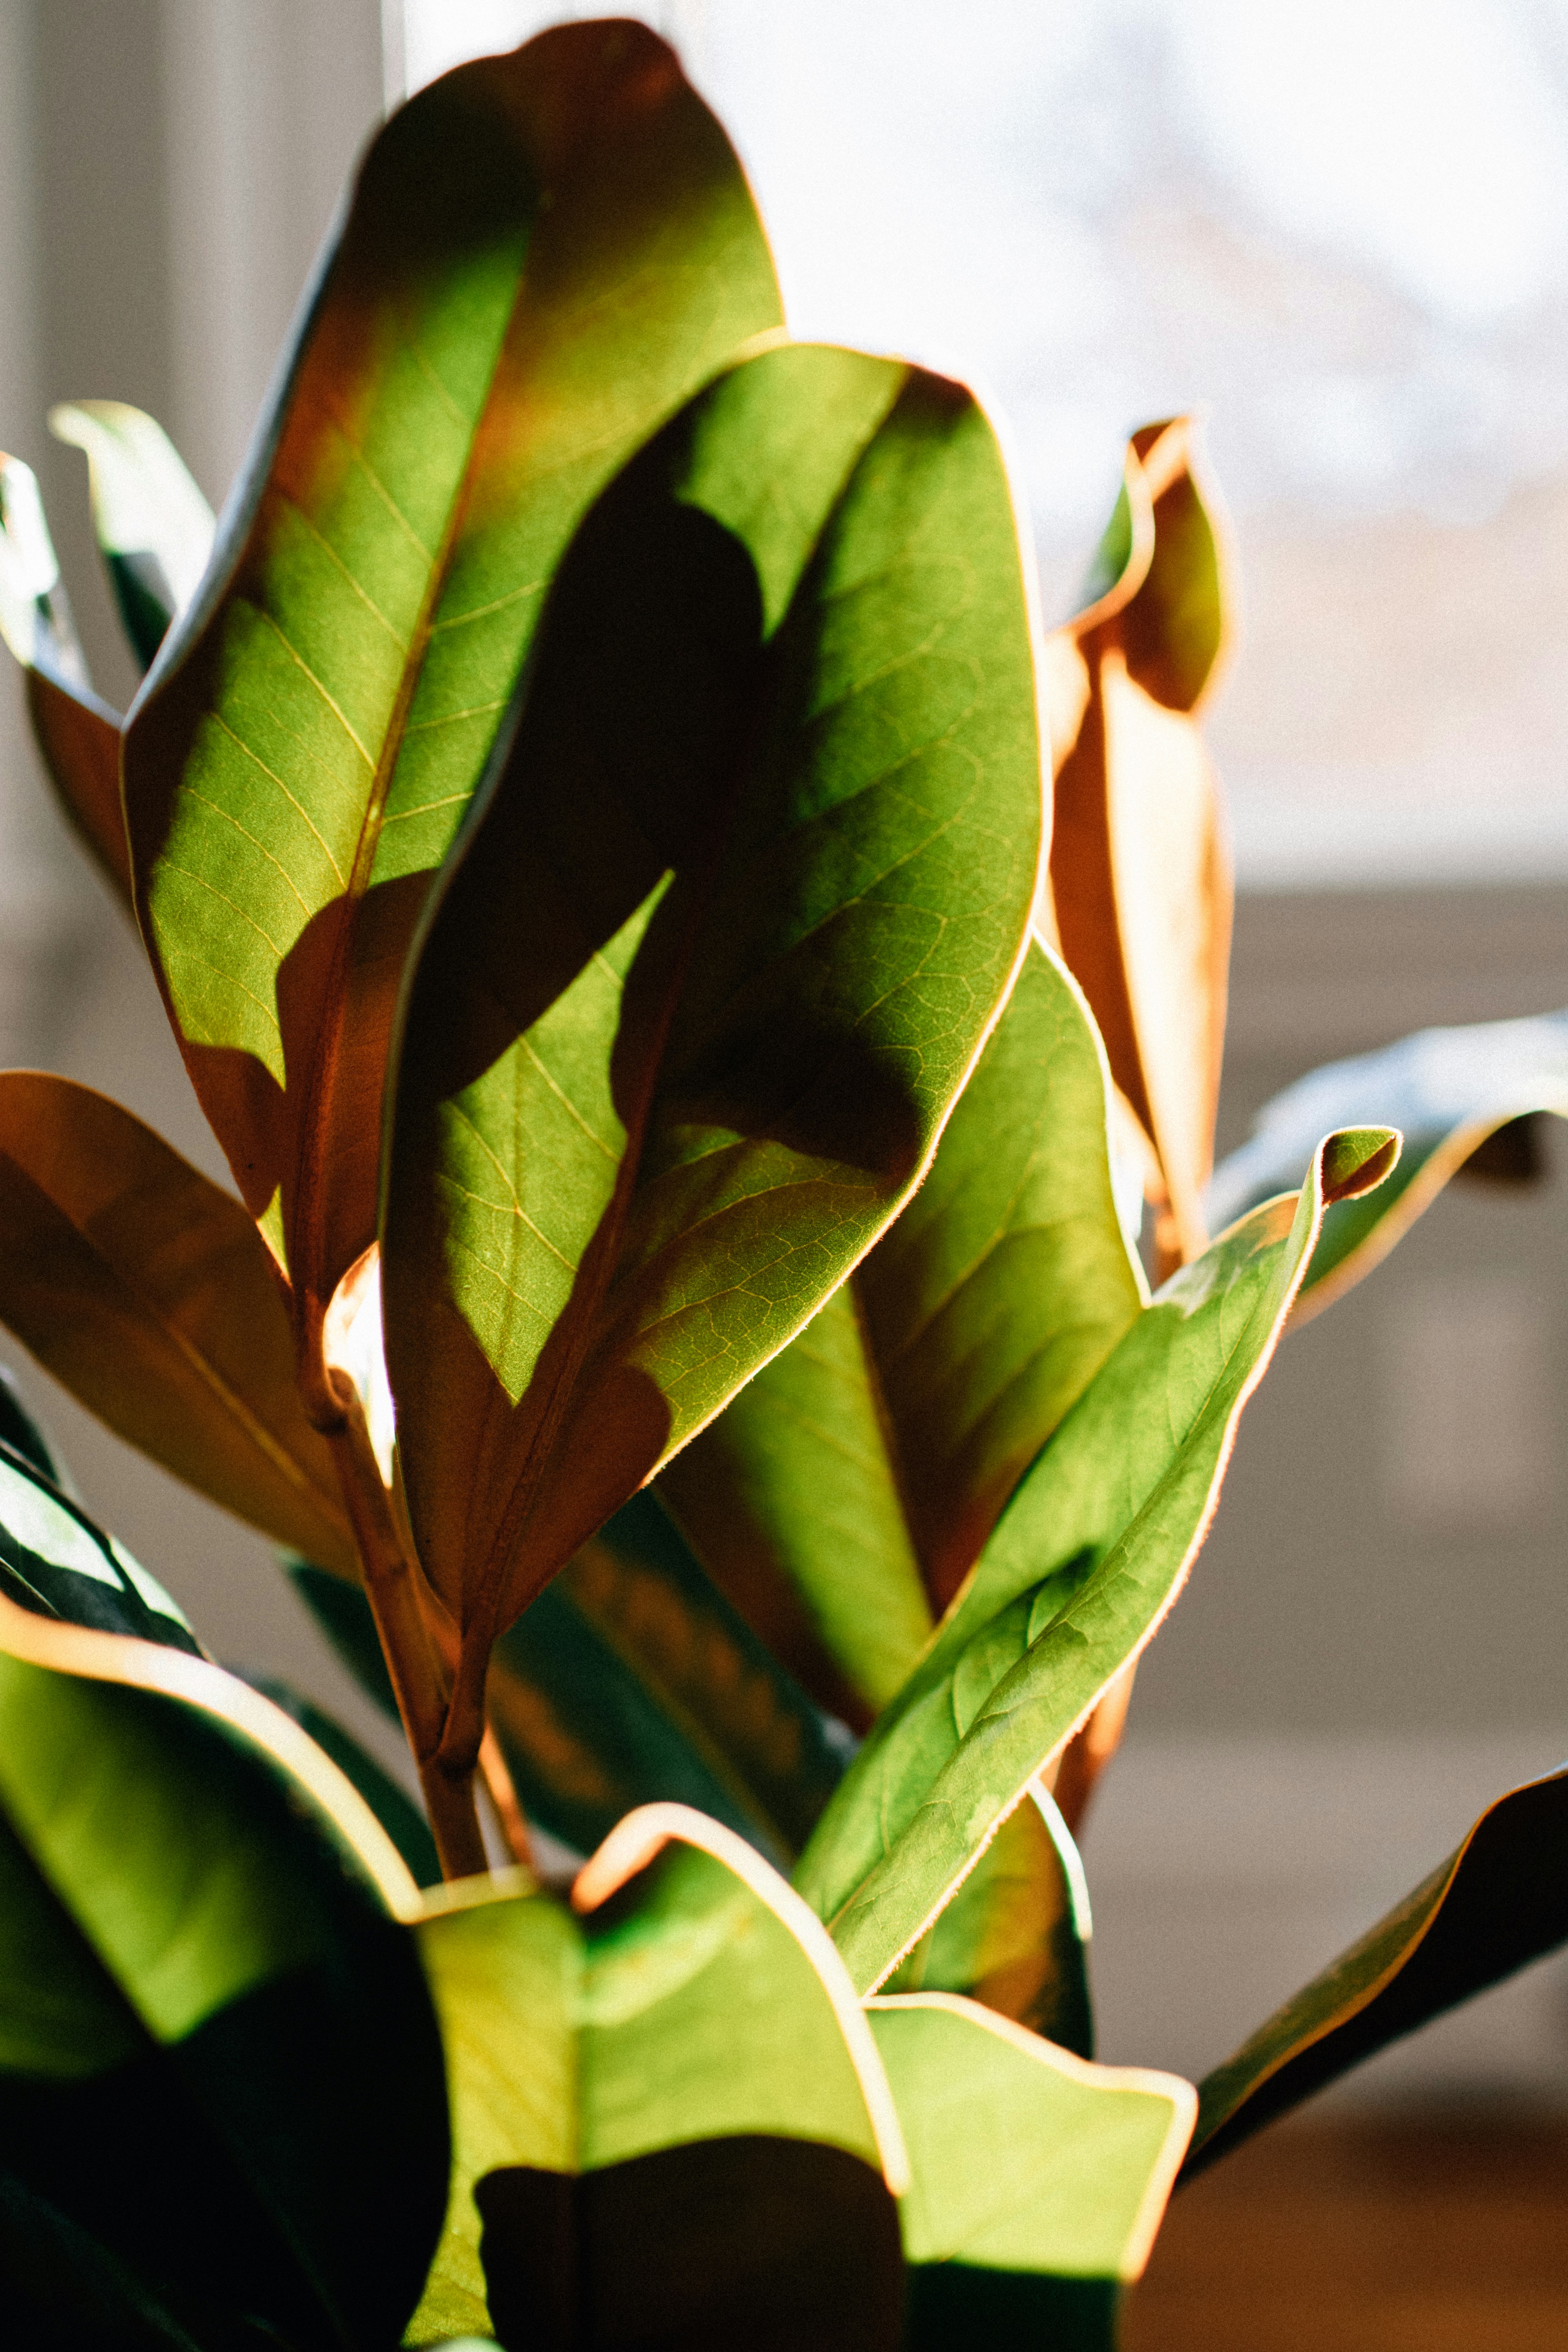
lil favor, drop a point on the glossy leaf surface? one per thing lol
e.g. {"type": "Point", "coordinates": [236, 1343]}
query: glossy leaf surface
{"type": "Point", "coordinates": [845, 1492]}
{"type": "Point", "coordinates": [1038, 2182]}
{"type": "Point", "coordinates": [1087, 1557]}
{"type": "Point", "coordinates": [1498, 1903]}
{"type": "Point", "coordinates": [1447, 1090]}
{"type": "Point", "coordinates": [775, 801]}
{"type": "Point", "coordinates": [149, 1294]}
{"type": "Point", "coordinates": [545, 253]}
{"type": "Point", "coordinates": [56, 1562]}
{"type": "Point", "coordinates": [199, 1985]}
{"type": "Point", "coordinates": [1141, 885]}
{"type": "Point", "coordinates": [617, 2081]}
{"type": "Point", "coordinates": [154, 528]}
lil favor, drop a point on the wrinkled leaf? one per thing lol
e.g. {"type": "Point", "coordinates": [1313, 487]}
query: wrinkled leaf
{"type": "Point", "coordinates": [1038, 2182]}
{"type": "Point", "coordinates": [773, 803]}
{"type": "Point", "coordinates": [1498, 1903]}
{"type": "Point", "coordinates": [545, 253]}
{"type": "Point", "coordinates": [669, 2113]}
{"type": "Point", "coordinates": [77, 735]}
{"type": "Point", "coordinates": [55, 1561]}
{"type": "Point", "coordinates": [199, 1986]}
{"type": "Point", "coordinates": [1141, 885]}
{"type": "Point", "coordinates": [1016, 1936]}
{"type": "Point", "coordinates": [1086, 1560]}
{"type": "Point", "coordinates": [1447, 1090]}
{"type": "Point", "coordinates": [154, 528]}
{"type": "Point", "coordinates": [148, 1293]}
{"type": "Point", "coordinates": [845, 1492]}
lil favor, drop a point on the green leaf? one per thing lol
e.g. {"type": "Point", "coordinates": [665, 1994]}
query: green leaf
{"type": "Point", "coordinates": [399, 1816]}
{"type": "Point", "coordinates": [668, 2113]}
{"type": "Point", "coordinates": [773, 805]}
{"type": "Point", "coordinates": [630, 1682]}
{"type": "Point", "coordinates": [1014, 1937]}
{"type": "Point", "coordinates": [149, 1294]}
{"type": "Point", "coordinates": [843, 1494]}
{"type": "Point", "coordinates": [1447, 1090]}
{"type": "Point", "coordinates": [1087, 1557]}
{"type": "Point", "coordinates": [154, 528]}
{"type": "Point", "coordinates": [22, 1434]}
{"type": "Point", "coordinates": [1038, 2182]}
{"type": "Point", "coordinates": [199, 1986]}
{"type": "Point", "coordinates": [56, 1562]}
{"type": "Point", "coordinates": [545, 254]}
{"type": "Point", "coordinates": [77, 735]}
{"type": "Point", "coordinates": [1500, 1902]}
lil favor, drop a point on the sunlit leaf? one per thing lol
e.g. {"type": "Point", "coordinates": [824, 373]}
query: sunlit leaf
{"type": "Point", "coordinates": [55, 1561]}
{"type": "Point", "coordinates": [199, 1986]}
{"type": "Point", "coordinates": [22, 1434]}
{"type": "Point", "coordinates": [843, 1494]}
{"type": "Point", "coordinates": [154, 528]}
{"type": "Point", "coordinates": [399, 1816]}
{"type": "Point", "coordinates": [149, 1294]}
{"type": "Point", "coordinates": [1038, 2182]}
{"type": "Point", "coordinates": [774, 804]}
{"type": "Point", "coordinates": [669, 2113]}
{"type": "Point", "coordinates": [1086, 1560]}
{"type": "Point", "coordinates": [545, 253]}
{"type": "Point", "coordinates": [1498, 1903]}
{"type": "Point", "coordinates": [1141, 885]}
{"type": "Point", "coordinates": [1447, 1091]}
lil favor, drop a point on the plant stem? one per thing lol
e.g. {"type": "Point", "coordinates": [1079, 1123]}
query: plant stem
{"type": "Point", "coordinates": [412, 1659]}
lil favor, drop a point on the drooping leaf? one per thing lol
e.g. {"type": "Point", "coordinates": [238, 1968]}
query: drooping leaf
{"type": "Point", "coordinates": [843, 1494]}
{"type": "Point", "coordinates": [1497, 1904]}
{"type": "Point", "coordinates": [631, 1681]}
{"type": "Point", "coordinates": [545, 253]}
{"type": "Point", "coordinates": [667, 2113]}
{"type": "Point", "coordinates": [1086, 1560]}
{"type": "Point", "coordinates": [1016, 1936]}
{"type": "Point", "coordinates": [774, 804]}
{"type": "Point", "coordinates": [154, 528]}
{"type": "Point", "coordinates": [1447, 1091]}
{"type": "Point", "coordinates": [399, 1816]}
{"type": "Point", "coordinates": [1141, 885]}
{"type": "Point", "coordinates": [148, 1293]}
{"type": "Point", "coordinates": [77, 735]}
{"type": "Point", "coordinates": [199, 1986]}
{"type": "Point", "coordinates": [55, 1561]}
{"type": "Point", "coordinates": [1038, 2182]}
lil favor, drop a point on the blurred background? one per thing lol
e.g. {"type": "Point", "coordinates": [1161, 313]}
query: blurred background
{"type": "Point", "coordinates": [1342, 233]}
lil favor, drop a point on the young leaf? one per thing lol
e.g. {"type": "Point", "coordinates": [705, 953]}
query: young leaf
{"type": "Point", "coordinates": [55, 1561]}
{"type": "Point", "coordinates": [154, 528]}
{"type": "Point", "coordinates": [1089, 1556]}
{"type": "Point", "coordinates": [1447, 1091]}
{"type": "Point", "coordinates": [198, 1991]}
{"type": "Point", "coordinates": [843, 1494]}
{"type": "Point", "coordinates": [77, 735]}
{"type": "Point", "coordinates": [545, 253]}
{"type": "Point", "coordinates": [1141, 885]}
{"type": "Point", "coordinates": [1014, 1937]}
{"type": "Point", "coordinates": [1498, 1903]}
{"type": "Point", "coordinates": [668, 2113]}
{"type": "Point", "coordinates": [1037, 2181]}
{"type": "Point", "coordinates": [149, 1294]}
{"type": "Point", "coordinates": [774, 806]}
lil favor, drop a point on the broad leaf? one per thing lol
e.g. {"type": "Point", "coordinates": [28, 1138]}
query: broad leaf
{"type": "Point", "coordinates": [1038, 2182]}
{"type": "Point", "coordinates": [669, 2114]}
{"type": "Point", "coordinates": [774, 806]}
{"type": "Point", "coordinates": [1498, 1903]}
{"type": "Point", "coordinates": [544, 254]}
{"type": "Point", "coordinates": [55, 1561]}
{"type": "Point", "coordinates": [843, 1494]}
{"type": "Point", "coordinates": [399, 1816]}
{"type": "Point", "coordinates": [154, 528]}
{"type": "Point", "coordinates": [1447, 1090]}
{"type": "Point", "coordinates": [1087, 1560]}
{"type": "Point", "coordinates": [631, 1681]}
{"type": "Point", "coordinates": [149, 1294]}
{"type": "Point", "coordinates": [77, 735]}
{"type": "Point", "coordinates": [199, 1987]}
{"type": "Point", "coordinates": [1016, 1936]}
{"type": "Point", "coordinates": [1141, 885]}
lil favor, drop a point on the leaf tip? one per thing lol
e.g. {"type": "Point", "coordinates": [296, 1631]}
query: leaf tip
{"type": "Point", "coordinates": [1356, 1159]}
